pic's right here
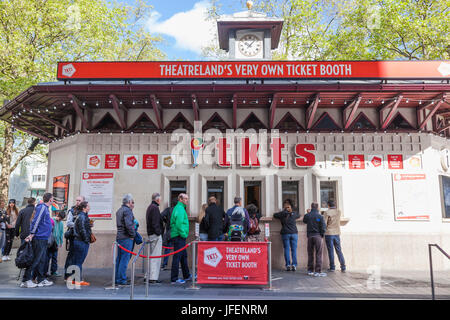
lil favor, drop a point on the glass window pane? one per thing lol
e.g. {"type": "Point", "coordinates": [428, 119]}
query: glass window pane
{"type": "Point", "coordinates": [252, 193]}
{"type": "Point", "coordinates": [177, 187]}
{"type": "Point", "coordinates": [216, 189]}
{"type": "Point", "coordinates": [446, 192]}
{"type": "Point", "coordinates": [289, 190]}
{"type": "Point", "coordinates": [327, 192]}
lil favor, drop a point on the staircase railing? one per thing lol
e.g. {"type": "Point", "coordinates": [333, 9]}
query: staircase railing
{"type": "Point", "coordinates": [430, 245]}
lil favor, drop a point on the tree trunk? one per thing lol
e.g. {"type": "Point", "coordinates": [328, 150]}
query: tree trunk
{"type": "Point", "coordinates": [5, 160]}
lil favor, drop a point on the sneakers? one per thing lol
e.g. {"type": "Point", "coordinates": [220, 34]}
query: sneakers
{"type": "Point", "coordinates": [330, 270]}
{"type": "Point", "coordinates": [179, 281]}
{"type": "Point", "coordinates": [293, 268]}
{"type": "Point", "coordinates": [45, 283]}
{"type": "Point", "coordinates": [343, 270]}
{"type": "Point", "coordinates": [56, 274]}
{"type": "Point", "coordinates": [4, 258]}
{"type": "Point", "coordinates": [288, 268]}
{"type": "Point", "coordinates": [310, 273]}
{"type": "Point", "coordinates": [28, 284]}
{"type": "Point", "coordinates": [154, 281]}
{"type": "Point", "coordinates": [320, 274]}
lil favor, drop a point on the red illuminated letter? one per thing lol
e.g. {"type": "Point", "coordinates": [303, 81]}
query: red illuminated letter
{"type": "Point", "coordinates": [303, 157]}
{"type": "Point", "coordinates": [249, 152]}
{"type": "Point", "coordinates": [222, 147]}
{"type": "Point", "coordinates": [277, 146]}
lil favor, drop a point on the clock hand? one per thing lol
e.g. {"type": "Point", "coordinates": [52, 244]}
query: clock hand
{"type": "Point", "coordinates": [249, 45]}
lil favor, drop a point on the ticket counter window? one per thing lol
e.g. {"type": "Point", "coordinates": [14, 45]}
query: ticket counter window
{"type": "Point", "coordinates": [289, 190]}
{"type": "Point", "coordinates": [216, 189]}
{"type": "Point", "coordinates": [177, 187]}
{"type": "Point", "coordinates": [328, 191]}
{"type": "Point", "coordinates": [252, 193]}
{"type": "Point", "coordinates": [446, 196]}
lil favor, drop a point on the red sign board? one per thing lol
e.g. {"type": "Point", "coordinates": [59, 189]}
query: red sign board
{"type": "Point", "coordinates": [253, 69]}
{"type": "Point", "coordinates": [131, 161]}
{"type": "Point", "coordinates": [227, 262]}
{"type": "Point", "coordinates": [356, 161]}
{"type": "Point", "coordinates": [395, 161]}
{"type": "Point", "coordinates": [112, 161]}
{"type": "Point", "coordinates": [150, 161]}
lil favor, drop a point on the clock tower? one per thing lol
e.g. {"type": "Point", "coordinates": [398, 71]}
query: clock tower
{"type": "Point", "coordinates": [249, 35]}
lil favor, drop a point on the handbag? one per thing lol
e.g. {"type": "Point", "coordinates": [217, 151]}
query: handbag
{"type": "Point", "coordinates": [138, 238]}
{"type": "Point", "coordinates": [25, 255]}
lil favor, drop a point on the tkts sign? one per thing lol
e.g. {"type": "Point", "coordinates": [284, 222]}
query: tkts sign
{"type": "Point", "coordinates": [250, 155]}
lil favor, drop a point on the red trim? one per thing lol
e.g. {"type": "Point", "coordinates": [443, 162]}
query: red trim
{"type": "Point", "coordinates": [390, 116]}
{"type": "Point", "coordinates": [115, 103]}
{"type": "Point", "coordinates": [354, 105]}
{"type": "Point", "coordinates": [311, 111]}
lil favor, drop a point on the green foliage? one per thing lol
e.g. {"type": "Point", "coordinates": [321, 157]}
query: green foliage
{"type": "Point", "coordinates": [361, 29]}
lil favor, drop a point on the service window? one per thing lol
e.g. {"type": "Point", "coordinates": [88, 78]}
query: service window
{"type": "Point", "coordinates": [289, 190]}
{"type": "Point", "coordinates": [252, 193]}
{"type": "Point", "coordinates": [328, 191]}
{"type": "Point", "coordinates": [177, 187]}
{"type": "Point", "coordinates": [446, 196]}
{"type": "Point", "coordinates": [216, 189]}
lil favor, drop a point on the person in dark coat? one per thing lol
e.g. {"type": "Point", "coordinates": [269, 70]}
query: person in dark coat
{"type": "Point", "coordinates": [253, 234]}
{"type": "Point", "coordinates": [315, 231]}
{"type": "Point", "coordinates": [167, 241]}
{"type": "Point", "coordinates": [82, 237]}
{"type": "Point", "coordinates": [289, 233]}
{"type": "Point", "coordinates": [215, 220]}
{"type": "Point", "coordinates": [155, 230]}
{"type": "Point", "coordinates": [24, 220]}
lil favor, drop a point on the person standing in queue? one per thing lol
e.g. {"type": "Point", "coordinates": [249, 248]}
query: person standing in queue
{"type": "Point", "coordinates": [167, 240]}
{"type": "Point", "coordinates": [179, 225]}
{"type": "Point", "coordinates": [253, 234]}
{"type": "Point", "coordinates": [332, 236]}
{"type": "Point", "coordinates": [2, 225]}
{"type": "Point", "coordinates": [155, 229]}
{"type": "Point", "coordinates": [82, 238]}
{"type": "Point", "coordinates": [203, 228]}
{"type": "Point", "coordinates": [24, 220]}
{"type": "Point", "coordinates": [289, 234]}
{"type": "Point", "coordinates": [215, 217]}
{"type": "Point", "coordinates": [71, 216]}
{"type": "Point", "coordinates": [315, 231]}
{"type": "Point", "coordinates": [125, 237]}
{"type": "Point", "coordinates": [12, 214]}
{"type": "Point", "coordinates": [40, 230]}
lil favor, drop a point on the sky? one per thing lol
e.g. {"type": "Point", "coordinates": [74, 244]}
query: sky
{"type": "Point", "coordinates": [184, 27]}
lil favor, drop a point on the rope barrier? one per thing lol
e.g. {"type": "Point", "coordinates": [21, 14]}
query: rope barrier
{"type": "Point", "coordinates": [171, 248]}
{"type": "Point", "coordinates": [155, 257]}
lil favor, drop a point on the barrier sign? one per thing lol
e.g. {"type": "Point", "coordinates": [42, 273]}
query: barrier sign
{"type": "Point", "coordinates": [225, 262]}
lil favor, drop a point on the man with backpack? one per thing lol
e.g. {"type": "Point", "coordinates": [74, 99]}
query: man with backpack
{"type": "Point", "coordinates": [41, 228]}
{"type": "Point", "coordinates": [237, 221]}
{"type": "Point", "coordinates": [215, 217]}
{"type": "Point", "coordinates": [69, 235]}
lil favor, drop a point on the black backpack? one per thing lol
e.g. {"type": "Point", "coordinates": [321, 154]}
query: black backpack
{"type": "Point", "coordinates": [236, 229]}
{"type": "Point", "coordinates": [25, 255]}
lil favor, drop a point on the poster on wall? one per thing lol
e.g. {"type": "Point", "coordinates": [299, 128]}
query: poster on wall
{"type": "Point", "coordinates": [150, 161]}
{"type": "Point", "coordinates": [94, 161]}
{"type": "Point", "coordinates": [98, 190]}
{"type": "Point", "coordinates": [168, 162]}
{"type": "Point", "coordinates": [375, 161]}
{"type": "Point", "coordinates": [395, 161]}
{"type": "Point", "coordinates": [356, 162]}
{"type": "Point", "coordinates": [60, 193]}
{"type": "Point", "coordinates": [112, 161]}
{"type": "Point", "coordinates": [336, 161]}
{"type": "Point", "coordinates": [130, 161]}
{"type": "Point", "coordinates": [411, 201]}
{"type": "Point", "coordinates": [413, 162]}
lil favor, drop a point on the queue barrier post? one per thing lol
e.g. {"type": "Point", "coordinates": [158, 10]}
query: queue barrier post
{"type": "Point", "coordinates": [147, 274]}
{"type": "Point", "coordinates": [113, 286]}
{"type": "Point", "coordinates": [269, 265]}
{"type": "Point", "coordinates": [194, 270]}
{"type": "Point", "coordinates": [133, 270]}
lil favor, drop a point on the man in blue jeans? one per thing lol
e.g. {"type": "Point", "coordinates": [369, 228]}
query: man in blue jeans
{"type": "Point", "coordinates": [125, 238]}
{"type": "Point", "coordinates": [289, 234]}
{"type": "Point", "coordinates": [332, 236]}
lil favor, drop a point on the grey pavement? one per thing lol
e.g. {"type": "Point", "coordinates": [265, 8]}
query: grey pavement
{"type": "Point", "coordinates": [354, 284]}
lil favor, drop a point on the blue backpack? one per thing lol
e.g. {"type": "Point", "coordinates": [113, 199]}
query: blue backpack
{"type": "Point", "coordinates": [236, 229]}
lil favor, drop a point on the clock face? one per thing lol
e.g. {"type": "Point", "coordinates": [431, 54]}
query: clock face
{"type": "Point", "coordinates": [250, 45]}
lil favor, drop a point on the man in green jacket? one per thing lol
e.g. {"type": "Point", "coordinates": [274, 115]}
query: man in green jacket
{"type": "Point", "coordinates": [179, 230]}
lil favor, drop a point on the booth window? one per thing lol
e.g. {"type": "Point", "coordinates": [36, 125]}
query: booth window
{"type": "Point", "coordinates": [177, 187]}
{"type": "Point", "coordinates": [328, 191]}
{"type": "Point", "coordinates": [216, 189]}
{"type": "Point", "coordinates": [252, 193]}
{"type": "Point", "coordinates": [289, 190]}
{"type": "Point", "coordinates": [446, 196]}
